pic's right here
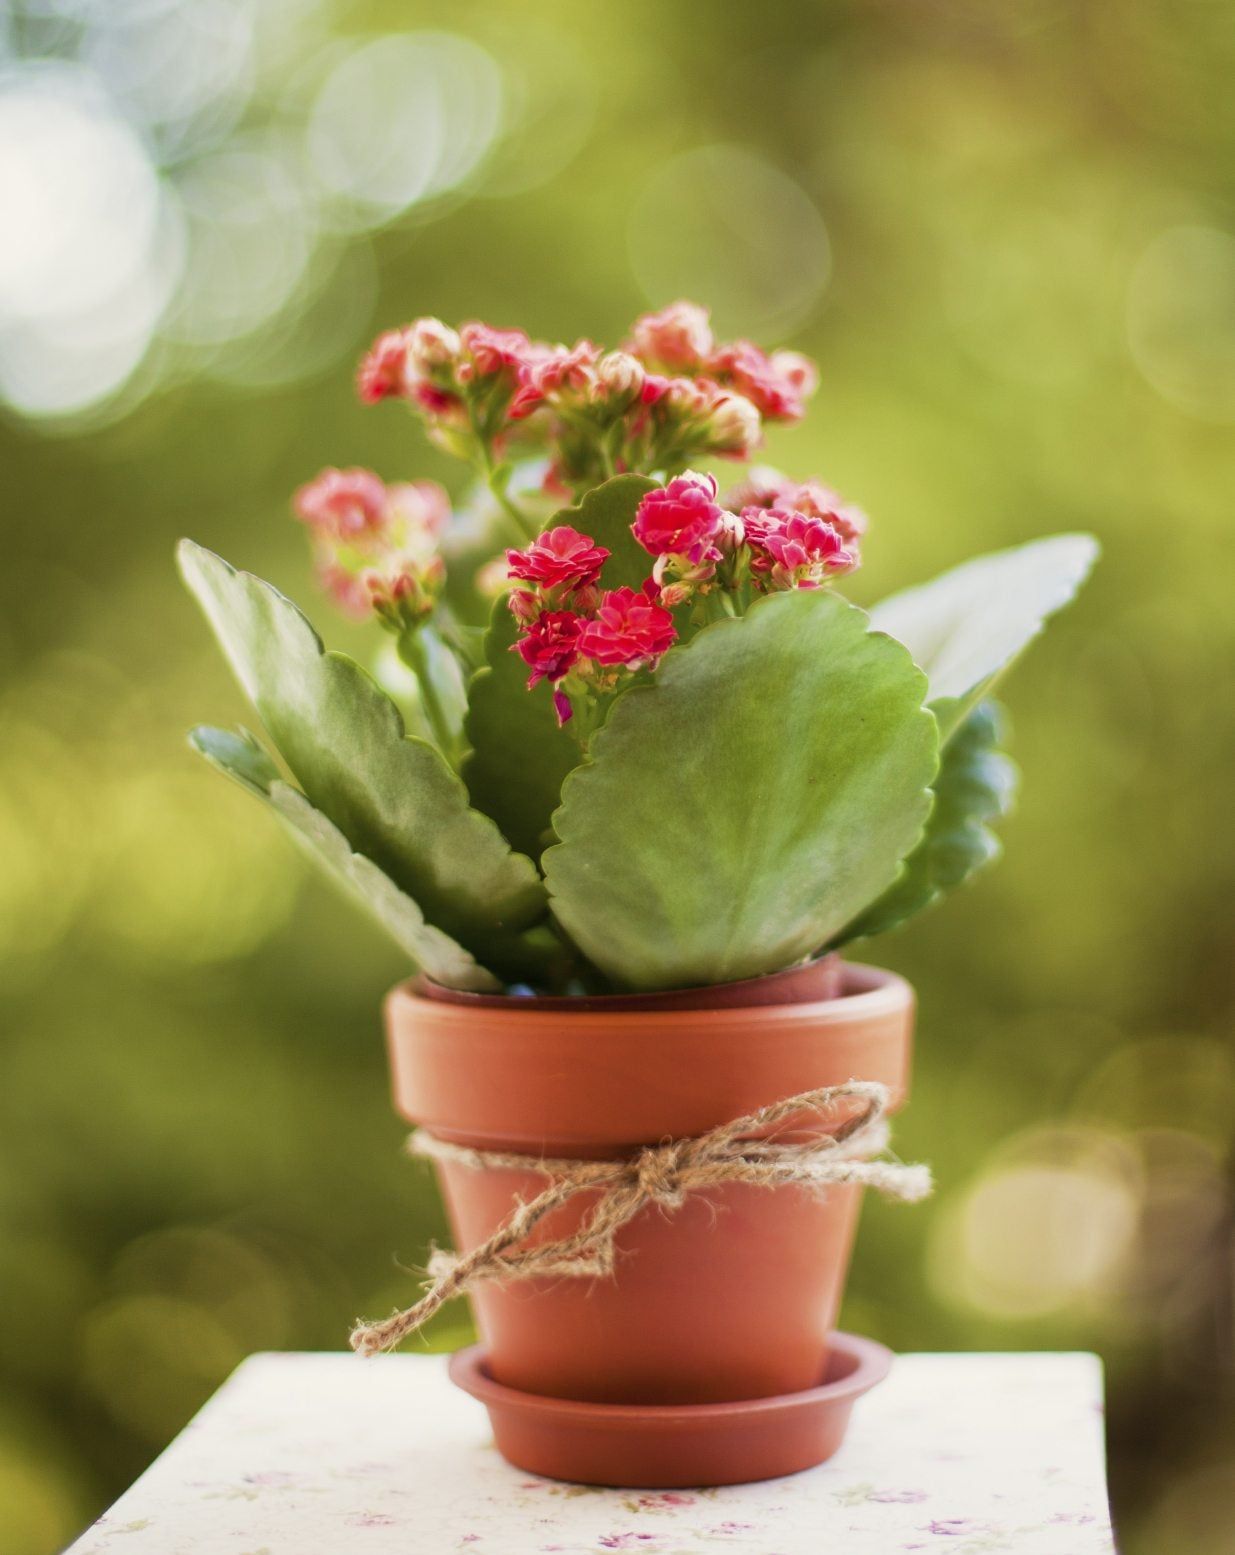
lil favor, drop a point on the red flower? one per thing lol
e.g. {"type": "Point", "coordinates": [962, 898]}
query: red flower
{"type": "Point", "coordinates": [559, 557]}
{"type": "Point", "coordinates": [383, 372]}
{"type": "Point", "coordinates": [793, 550]}
{"type": "Point", "coordinates": [681, 519]}
{"type": "Point", "coordinates": [550, 648]}
{"type": "Point", "coordinates": [436, 402]}
{"type": "Point", "coordinates": [628, 629]}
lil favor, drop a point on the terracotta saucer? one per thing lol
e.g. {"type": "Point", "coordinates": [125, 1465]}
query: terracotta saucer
{"type": "Point", "coordinates": [675, 1446]}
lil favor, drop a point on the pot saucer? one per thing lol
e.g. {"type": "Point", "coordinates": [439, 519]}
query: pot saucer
{"type": "Point", "coordinates": [676, 1446]}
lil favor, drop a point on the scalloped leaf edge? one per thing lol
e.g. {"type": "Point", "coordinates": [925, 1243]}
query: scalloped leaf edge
{"type": "Point", "coordinates": [241, 757]}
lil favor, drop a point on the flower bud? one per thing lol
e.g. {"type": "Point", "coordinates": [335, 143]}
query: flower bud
{"type": "Point", "coordinates": [619, 379]}
{"type": "Point", "coordinates": [734, 426]}
{"type": "Point", "coordinates": [686, 400]}
{"type": "Point", "coordinates": [383, 372]}
{"type": "Point", "coordinates": [431, 346]}
{"type": "Point", "coordinates": [524, 604]}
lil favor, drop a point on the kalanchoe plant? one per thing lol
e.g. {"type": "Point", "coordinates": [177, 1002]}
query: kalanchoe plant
{"type": "Point", "coordinates": [678, 756]}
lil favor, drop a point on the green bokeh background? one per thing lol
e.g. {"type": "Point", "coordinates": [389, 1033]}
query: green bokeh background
{"type": "Point", "coordinates": [1028, 325]}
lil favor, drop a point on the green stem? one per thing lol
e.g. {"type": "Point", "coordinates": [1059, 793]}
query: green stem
{"type": "Point", "coordinates": [412, 652]}
{"type": "Point", "coordinates": [495, 480]}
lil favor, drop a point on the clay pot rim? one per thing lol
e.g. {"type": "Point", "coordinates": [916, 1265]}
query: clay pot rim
{"type": "Point", "coordinates": [866, 992]}
{"type": "Point", "coordinates": [866, 1363]}
{"type": "Point", "coordinates": [744, 992]}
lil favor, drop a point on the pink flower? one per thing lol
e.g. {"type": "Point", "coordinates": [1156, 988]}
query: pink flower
{"type": "Point", "coordinates": [819, 501]}
{"type": "Point", "coordinates": [563, 372]}
{"type": "Point", "coordinates": [550, 648]}
{"type": "Point", "coordinates": [559, 557]}
{"type": "Point", "coordinates": [628, 629]}
{"type": "Point", "coordinates": [419, 505]}
{"type": "Point", "coordinates": [778, 392]}
{"type": "Point", "coordinates": [375, 546]}
{"type": "Point", "coordinates": [680, 519]}
{"type": "Point", "coordinates": [655, 387]}
{"type": "Point", "coordinates": [345, 505]}
{"type": "Point", "coordinates": [383, 371]}
{"type": "Point", "coordinates": [441, 404]}
{"type": "Point", "coordinates": [679, 336]}
{"type": "Point", "coordinates": [347, 589]}
{"type": "Point", "coordinates": [490, 350]}
{"type": "Point", "coordinates": [796, 370]}
{"type": "Point", "coordinates": [765, 487]}
{"type": "Point", "coordinates": [792, 550]}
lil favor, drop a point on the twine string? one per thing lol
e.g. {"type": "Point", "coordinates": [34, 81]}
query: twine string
{"type": "Point", "coordinates": [661, 1174]}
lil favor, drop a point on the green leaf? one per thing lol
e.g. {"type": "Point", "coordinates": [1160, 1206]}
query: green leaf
{"type": "Point", "coordinates": [395, 799]}
{"type": "Point", "coordinates": [606, 513]}
{"type": "Point", "coordinates": [976, 785]}
{"type": "Point", "coordinates": [239, 756]}
{"type": "Point", "coordinates": [966, 626]}
{"type": "Point", "coordinates": [519, 756]}
{"type": "Point", "coordinates": [737, 813]}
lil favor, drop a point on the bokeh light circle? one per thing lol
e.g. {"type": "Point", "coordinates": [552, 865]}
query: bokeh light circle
{"type": "Point", "coordinates": [1181, 319]}
{"type": "Point", "coordinates": [252, 234]}
{"type": "Point", "coordinates": [724, 225]}
{"type": "Point", "coordinates": [401, 119]}
{"type": "Point", "coordinates": [1049, 1221]}
{"type": "Point", "coordinates": [92, 244]}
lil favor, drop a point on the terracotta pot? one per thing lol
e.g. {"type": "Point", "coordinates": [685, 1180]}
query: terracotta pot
{"type": "Point", "coordinates": [734, 1295]}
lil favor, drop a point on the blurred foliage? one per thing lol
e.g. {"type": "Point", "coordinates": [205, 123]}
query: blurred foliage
{"type": "Point", "coordinates": [1007, 234]}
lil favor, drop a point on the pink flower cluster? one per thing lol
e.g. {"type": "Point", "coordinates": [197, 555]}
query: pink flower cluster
{"type": "Point", "coordinates": [772, 546]}
{"type": "Point", "coordinates": [768, 488]}
{"type": "Point", "coordinates": [571, 629]}
{"type": "Point", "coordinates": [679, 340]}
{"type": "Point", "coordinates": [671, 394]}
{"type": "Point", "coordinates": [376, 546]}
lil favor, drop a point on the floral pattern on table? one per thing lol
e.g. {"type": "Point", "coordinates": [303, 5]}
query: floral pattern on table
{"type": "Point", "coordinates": [331, 1455]}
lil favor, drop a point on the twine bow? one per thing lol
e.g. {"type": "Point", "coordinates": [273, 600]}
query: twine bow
{"type": "Point", "coordinates": [658, 1174]}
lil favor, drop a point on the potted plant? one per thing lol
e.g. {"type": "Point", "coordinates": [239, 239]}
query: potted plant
{"type": "Point", "coordinates": [636, 820]}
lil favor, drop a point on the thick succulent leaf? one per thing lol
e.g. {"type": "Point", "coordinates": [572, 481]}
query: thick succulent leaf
{"type": "Point", "coordinates": [395, 799]}
{"type": "Point", "coordinates": [239, 756]}
{"type": "Point", "coordinates": [734, 815]}
{"type": "Point", "coordinates": [519, 756]}
{"type": "Point", "coordinates": [967, 625]}
{"type": "Point", "coordinates": [606, 513]}
{"type": "Point", "coordinates": [976, 785]}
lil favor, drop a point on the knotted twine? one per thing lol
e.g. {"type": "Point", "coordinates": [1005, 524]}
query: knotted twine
{"type": "Point", "coordinates": [657, 1174]}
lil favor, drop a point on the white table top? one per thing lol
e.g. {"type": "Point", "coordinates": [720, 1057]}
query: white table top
{"type": "Point", "coordinates": [333, 1455]}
